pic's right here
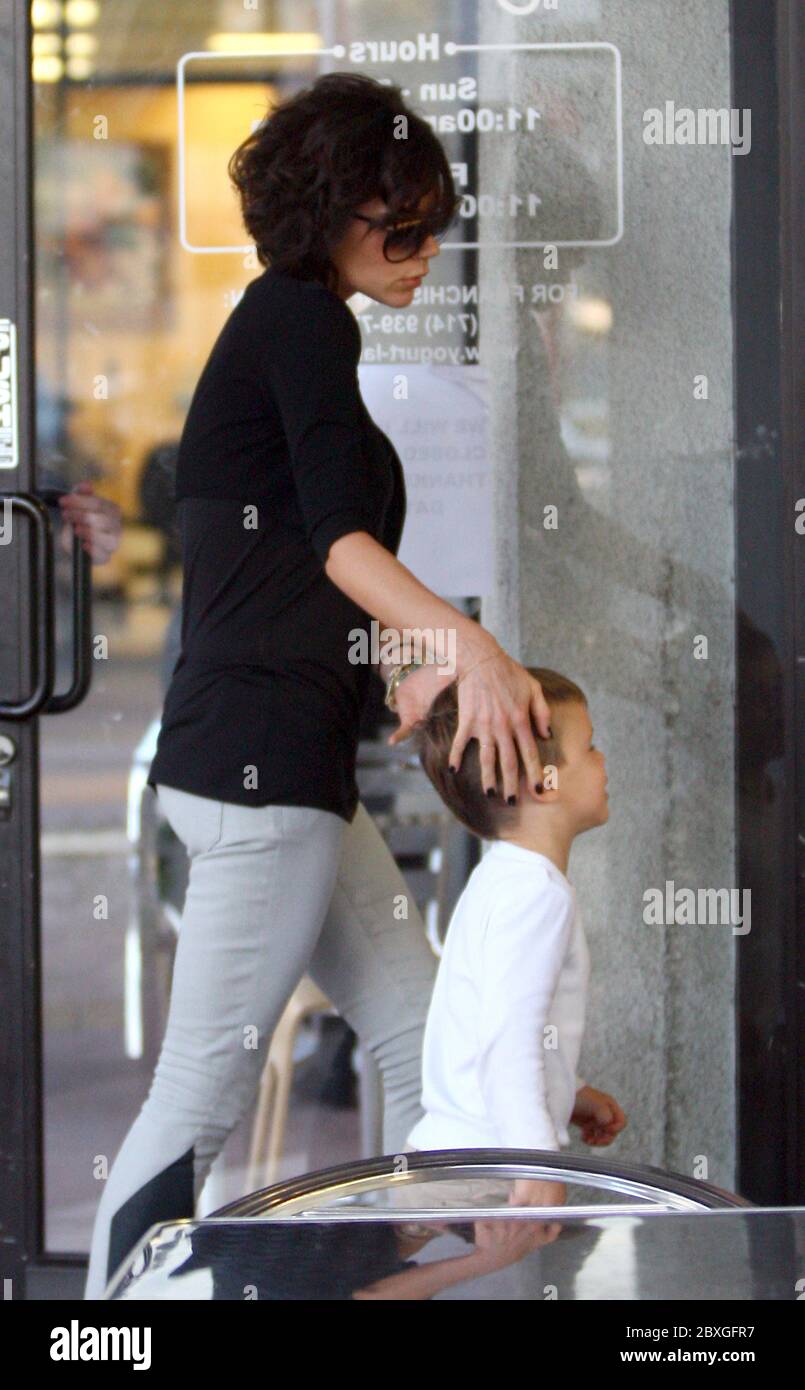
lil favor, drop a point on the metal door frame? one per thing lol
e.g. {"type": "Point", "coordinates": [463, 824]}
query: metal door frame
{"type": "Point", "coordinates": [21, 1094]}
{"type": "Point", "coordinates": [768, 43]}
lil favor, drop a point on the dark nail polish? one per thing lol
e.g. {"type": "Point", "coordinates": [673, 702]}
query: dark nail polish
{"type": "Point", "coordinates": [550, 732]}
{"type": "Point", "coordinates": [451, 769]}
{"type": "Point", "coordinates": [537, 786]}
{"type": "Point", "coordinates": [490, 791]}
{"type": "Point", "coordinates": [512, 800]}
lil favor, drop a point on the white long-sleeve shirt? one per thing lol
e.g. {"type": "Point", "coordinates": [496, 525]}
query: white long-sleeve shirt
{"type": "Point", "coordinates": [505, 1024]}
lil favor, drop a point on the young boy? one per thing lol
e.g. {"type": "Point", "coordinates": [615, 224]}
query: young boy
{"type": "Point", "coordinates": [506, 1019]}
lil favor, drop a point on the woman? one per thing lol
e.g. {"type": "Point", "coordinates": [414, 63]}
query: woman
{"type": "Point", "coordinates": [290, 503]}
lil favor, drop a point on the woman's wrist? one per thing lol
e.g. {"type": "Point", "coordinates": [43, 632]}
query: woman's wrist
{"type": "Point", "coordinates": [399, 673]}
{"type": "Point", "coordinates": [473, 647]}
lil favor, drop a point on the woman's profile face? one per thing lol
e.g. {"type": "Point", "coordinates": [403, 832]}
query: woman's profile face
{"type": "Point", "coordinates": [363, 268]}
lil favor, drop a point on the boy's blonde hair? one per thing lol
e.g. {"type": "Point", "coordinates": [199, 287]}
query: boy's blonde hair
{"type": "Point", "coordinates": [462, 791]}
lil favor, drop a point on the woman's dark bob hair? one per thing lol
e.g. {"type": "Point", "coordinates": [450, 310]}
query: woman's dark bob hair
{"type": "Point", "coordinates": [324, 152]}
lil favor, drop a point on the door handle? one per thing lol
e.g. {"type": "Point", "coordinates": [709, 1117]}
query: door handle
{"type": "Point", "coordinates": [42, 635]}
{"type": "Point", "coordinates": [81, 625]}
{"type": "Point", "coordinates": [42, 699]}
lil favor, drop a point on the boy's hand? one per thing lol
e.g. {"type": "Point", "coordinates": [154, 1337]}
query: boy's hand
{"type": "Point", "coordinates": [598, 1115]}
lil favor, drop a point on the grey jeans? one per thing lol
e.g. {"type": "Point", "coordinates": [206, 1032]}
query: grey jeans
{"type": "Point", "coordinates": [274, 892]}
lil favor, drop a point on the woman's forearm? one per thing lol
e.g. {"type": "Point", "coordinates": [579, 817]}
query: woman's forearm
{"type": "Point", "coordinates": [386, 589]}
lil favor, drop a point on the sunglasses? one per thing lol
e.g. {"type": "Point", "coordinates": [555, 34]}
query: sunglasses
{"type": "Point", "coordinates": [404, 239]}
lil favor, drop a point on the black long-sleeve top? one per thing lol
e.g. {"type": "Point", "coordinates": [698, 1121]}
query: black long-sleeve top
{"type": "Point", "coordinates": [277, 459]}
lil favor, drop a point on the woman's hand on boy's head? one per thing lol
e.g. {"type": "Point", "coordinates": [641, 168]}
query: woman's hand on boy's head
{"type": "Point", "coordinates": [598, 1115]}
{"type": "Point", "coordinates": [499, 701]}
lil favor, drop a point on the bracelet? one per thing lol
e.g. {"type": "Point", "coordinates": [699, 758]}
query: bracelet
{"type": "Point", "coordinates": [398, 674]}
{"type": "Point", "coordinates": [478, 663]}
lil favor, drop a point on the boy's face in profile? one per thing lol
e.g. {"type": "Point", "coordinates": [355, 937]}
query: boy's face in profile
{"type": "Point", "coordinates": [581, 793]}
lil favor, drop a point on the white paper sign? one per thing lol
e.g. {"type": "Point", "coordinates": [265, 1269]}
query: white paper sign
{"type": "Point", "coordinates": [440, 433]}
